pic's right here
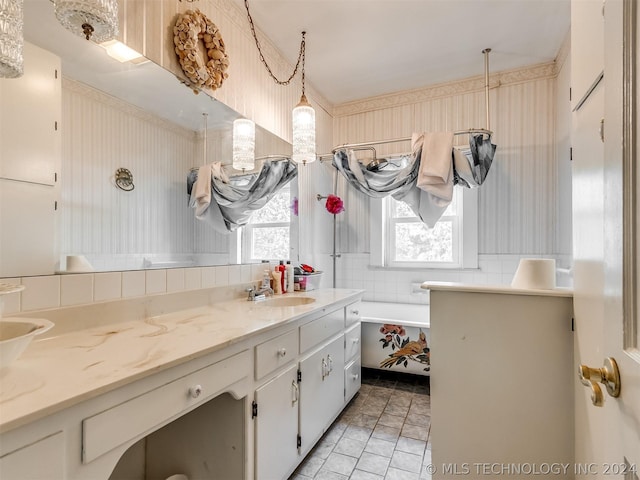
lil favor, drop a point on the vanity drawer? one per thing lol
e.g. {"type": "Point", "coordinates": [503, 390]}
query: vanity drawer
{"type": "Point", "coordinates": [276, 352]}
{"type": "Point", "coordinates": [316, 331]}
{"type": "Point", "coordinates": [353, 313]}
{"type": "Point", "coordinates": [144, 414]}
{"type": "Point", "coordinates": [352, 379]}
{"type": "Point", "coordinates": [352, 342]}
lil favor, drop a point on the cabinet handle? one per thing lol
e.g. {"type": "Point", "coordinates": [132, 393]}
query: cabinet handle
{"type": "Point", "coordinates": [330, 361]}
{"type": "Point", "coordinates": [356, 340]}
{"type": "Point", "coordinates": [355, 312]}
{"type": "Point", "coordinates": [324, 369]}
{"type": "Point", "coordinates": [282, 352]}
{"type": "Point", "coordinates": [296, 392]}
{"type": "Point", "coordinates": [195, 391]}
{"type": "Point", "coordinates": [355, 376]}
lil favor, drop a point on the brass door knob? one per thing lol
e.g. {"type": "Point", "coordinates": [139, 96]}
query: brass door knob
{"type": "Point", "coordinates": [608, 375]}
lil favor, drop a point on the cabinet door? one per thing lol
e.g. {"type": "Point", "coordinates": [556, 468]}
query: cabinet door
{"type": "Point", "coordinates": [277, 426]}
{"type": "Point", "coordinates": [39, 461]}
{"type": "Point", "coordinates": [321, 390]}
{"type": "Point", "coordinates": [30, 119]}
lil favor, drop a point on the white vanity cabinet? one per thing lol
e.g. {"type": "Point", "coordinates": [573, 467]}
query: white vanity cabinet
{"type": "Point", "coordinates": [251, 408]}
{"type": "Point", "coordinates": [300, 390]}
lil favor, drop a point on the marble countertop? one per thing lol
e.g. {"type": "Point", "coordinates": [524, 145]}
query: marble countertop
{"type": "Point", "coordinates": [500, 289]}
{"type": "Point", "coordinates": [58, 372]}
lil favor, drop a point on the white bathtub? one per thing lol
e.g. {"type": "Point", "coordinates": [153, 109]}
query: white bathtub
{"type": "Point", "coordinates": [395, 336]}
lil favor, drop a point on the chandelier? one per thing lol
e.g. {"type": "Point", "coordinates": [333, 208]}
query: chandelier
{"type": "Point", "coordinates": [303, 115]}
{"type": "Point", "coordinates": [11, 39]}
{"type": "Point", "coordinates": [95, 20]}
{"type": "Point", "coordinates": [244, 144]}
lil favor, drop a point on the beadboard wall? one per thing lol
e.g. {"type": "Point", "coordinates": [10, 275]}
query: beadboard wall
{"type": "Point", "coordinates": [102, 134]}
{"type": "Point", "coordinates": [147, 26]}
{"type": "Point", "coordinates": [518, 203]}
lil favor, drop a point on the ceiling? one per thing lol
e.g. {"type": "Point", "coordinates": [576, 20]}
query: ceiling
{"type": "Point", "coordinates": [357, 49]}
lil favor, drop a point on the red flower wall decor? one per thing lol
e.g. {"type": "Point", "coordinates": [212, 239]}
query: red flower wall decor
{"type": "Point", "coordinates": [334, 204]}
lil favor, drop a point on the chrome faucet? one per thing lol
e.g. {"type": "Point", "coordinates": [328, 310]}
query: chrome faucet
{"type": "Point", "coordinates": [256, 294]}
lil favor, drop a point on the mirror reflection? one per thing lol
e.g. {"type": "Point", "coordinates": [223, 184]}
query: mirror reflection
{"type": "Point", "coordinates": [130, 124]}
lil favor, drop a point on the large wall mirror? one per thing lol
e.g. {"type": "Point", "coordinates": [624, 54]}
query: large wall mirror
{"type": "Point", "coordinates": [133, 116]}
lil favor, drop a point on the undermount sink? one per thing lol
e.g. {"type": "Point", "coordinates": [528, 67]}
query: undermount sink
{"type": "Point", "coordinates": [16, 334]}
{"type": "Point", "coordinates": [287, 301]}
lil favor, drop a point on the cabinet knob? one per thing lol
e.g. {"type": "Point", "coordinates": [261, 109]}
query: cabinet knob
{"type": "Point", "coordinates": [195, 391]}
{"type": "Point", "coordinates": [355, 312]}
{"type": "Point", "coordinates": [355, 376]}
{"type": "Point", "coordinates": [282, 352]}
{"type": "Point", "coordinates": [356, 340]}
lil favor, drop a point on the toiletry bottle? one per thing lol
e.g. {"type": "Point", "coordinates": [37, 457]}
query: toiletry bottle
{"type": "Point", "coordinates": [266, 280]}
{"type": "Point", "coordinates": [290, 277]}
{"type": "Point", "coordinates": [277, 277]}
{"type": "Point", "coordinates": [282, 276]}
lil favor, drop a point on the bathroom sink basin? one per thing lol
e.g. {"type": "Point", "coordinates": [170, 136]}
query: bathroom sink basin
{"type": "Point", "coordinates": [16, 334]}
{"type": "Point", "coordinates": [287, 301]}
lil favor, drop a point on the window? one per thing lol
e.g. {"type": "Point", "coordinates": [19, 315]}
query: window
{"type": "Point", "coordinates": [266, 236]}
{"type": "Point", "coordinates": [404, 241]}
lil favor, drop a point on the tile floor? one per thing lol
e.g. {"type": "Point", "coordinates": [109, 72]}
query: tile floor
{"type": "Point", "coordinates": [383, 434]}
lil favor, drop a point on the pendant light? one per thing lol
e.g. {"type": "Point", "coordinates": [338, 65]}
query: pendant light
{"type": "Point", "coordinates": [95, 20]}
{"type": "Point", "coordinates": [11, 39]}
{"type": "Point", "coordinates": [304, 124]}
{"type": "Point", "coordinates": [303, 115]}
{"type": "Point", "coordinates": [244, 144]}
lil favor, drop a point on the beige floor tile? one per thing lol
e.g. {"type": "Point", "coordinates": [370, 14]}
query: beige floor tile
{"type": "Point", "coordinates": [391, 420]}
{"type": "Point", "coordinates": [390, 434]}
{"type": "Point", "coordinates": [414, 431]}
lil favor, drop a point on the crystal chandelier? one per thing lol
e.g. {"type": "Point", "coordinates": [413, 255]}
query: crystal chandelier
{"type": "Point", "coordinates": [304, 116]}
{"type": "Point", "coordinates": [11, 39]}
{"type": "Point", "coordinates": [93, 19]}
{"type": "Point", "coordinates": [244, 144]}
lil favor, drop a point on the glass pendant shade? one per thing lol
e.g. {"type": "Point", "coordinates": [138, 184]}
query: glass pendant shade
{"type": "Point", "coordinates": [304, 132]}
{"type": "Point", "coordinates": [11, 39]}
{"type": "Point", "coordinates": [93, 19]}
{"type": "Point", "coordinates": [244, 144]}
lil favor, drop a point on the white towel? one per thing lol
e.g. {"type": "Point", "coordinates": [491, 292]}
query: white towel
{"type": "Point", "coordinates": [202, 190]}
{"type": "Point", "coordinates": [217, 171]}
{"type": "Point", "coordinates": [436, 164]}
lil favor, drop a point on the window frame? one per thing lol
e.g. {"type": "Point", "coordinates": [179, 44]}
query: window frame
{"type": "Point", "coordinates": [246, 234]}
{"type": "Point", "coordinates": [465, 234]}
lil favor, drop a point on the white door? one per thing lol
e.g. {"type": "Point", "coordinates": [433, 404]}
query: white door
{"type": "Point", "coordinates": [607, 437]}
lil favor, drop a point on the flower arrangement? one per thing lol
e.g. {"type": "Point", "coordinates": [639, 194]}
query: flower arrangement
{"type": "Point", "coordinates": [334, 204]}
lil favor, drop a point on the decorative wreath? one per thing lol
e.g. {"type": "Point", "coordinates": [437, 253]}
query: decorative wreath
{"type": "Point", "coordinates": [192, 27]}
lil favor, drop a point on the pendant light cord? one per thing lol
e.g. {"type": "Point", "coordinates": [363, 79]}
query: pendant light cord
{"type": "Point", "coordinates": [301, 54]}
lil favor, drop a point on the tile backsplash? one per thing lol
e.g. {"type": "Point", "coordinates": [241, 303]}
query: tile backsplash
{"type": "Point", "coordinates": [56, 291]}
{"type": "Point", "coordinates": [353, 271]}
{"type": "Point", "coordinates": [403, 285]}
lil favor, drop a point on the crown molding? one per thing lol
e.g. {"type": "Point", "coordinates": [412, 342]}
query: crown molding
{"type": "Point", "coordinates": [447, 89]}
{"type": "Point", "coordinates": [85, 90]}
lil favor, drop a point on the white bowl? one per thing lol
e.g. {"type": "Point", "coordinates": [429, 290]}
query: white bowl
{"type": "Point", "coordinates": [16, 334]}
